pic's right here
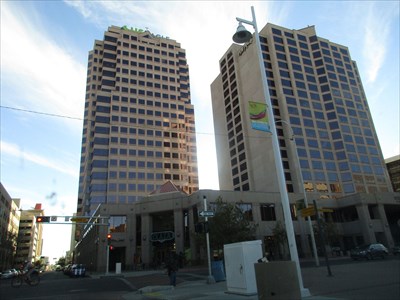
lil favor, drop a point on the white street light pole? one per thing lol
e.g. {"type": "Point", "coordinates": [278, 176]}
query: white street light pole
{"type": "Point", "coordinates": [277, 157]}
{"type": "Point", "coordinates": [304, 192]}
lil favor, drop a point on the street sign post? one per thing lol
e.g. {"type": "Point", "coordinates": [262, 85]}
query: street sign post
{"type": "Point", "coordinates": [80, 219]}
{"type": "Point", "coordinates": [322, 237]}
{"type": "Point", "coordinates": [325, 210]}
{"type": "Point", "coordinates": [206, 213]}
{"type": "Point", "coordinates": [310, 211]}
{"type": "Point", "coordinates": [307, 212]}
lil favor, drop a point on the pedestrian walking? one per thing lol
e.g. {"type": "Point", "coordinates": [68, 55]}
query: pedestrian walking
{"type": "Point", "coordinates": [172, 267]}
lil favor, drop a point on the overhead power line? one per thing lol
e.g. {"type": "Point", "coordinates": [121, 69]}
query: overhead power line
{"type": "Point", "coordinates": [41, 113]}
{"type": "Point", "coordinates": [80, 119]}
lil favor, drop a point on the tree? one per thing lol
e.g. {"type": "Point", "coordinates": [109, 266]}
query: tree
{"type": "Point", "coordinates": [8, 245]}
{"type": "Point", "coordinates": [280, 238]}
{"type": "Point", "coordinates": [229, 225]}
{"type": "Point", "coordinates": [61, 261]}
{"type": "Point", "coordinates": [331, 234]}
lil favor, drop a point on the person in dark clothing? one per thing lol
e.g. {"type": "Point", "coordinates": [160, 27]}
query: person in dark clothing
{"type": "Point", "coordinates": [181, 259]}
{"type": "Point", "coordinates": [172, 267]}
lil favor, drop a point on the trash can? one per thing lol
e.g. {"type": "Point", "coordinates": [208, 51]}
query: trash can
{"type": "Point", "coordinates": [277, 280]}
{"type": "Point", "coordinates": [217, 270]}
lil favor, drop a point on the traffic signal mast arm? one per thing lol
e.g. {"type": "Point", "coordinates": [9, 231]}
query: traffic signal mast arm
{"type": "Point", "coordinates": [69, 220]}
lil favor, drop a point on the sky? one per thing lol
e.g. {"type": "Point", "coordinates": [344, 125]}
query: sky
{"type": "Point", "coordinates": [44, 52]}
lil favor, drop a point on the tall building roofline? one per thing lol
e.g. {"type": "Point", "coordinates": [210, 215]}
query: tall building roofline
{"type": "Point", "coordinates": [310, 29]}
{"type": "Point", "coordinates": [392, 159]}
{"type": "Point", "coordinates": [139, 31]}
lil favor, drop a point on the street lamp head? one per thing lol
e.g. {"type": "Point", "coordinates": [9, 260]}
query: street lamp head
{"type": "Point", "coordinates": [242, 35]}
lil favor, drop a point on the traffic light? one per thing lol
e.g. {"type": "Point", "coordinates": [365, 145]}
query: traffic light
{"type": "Point", "coordinates": [198, 227]}
{"type": "Point", "coordinates": [111, 247]}
{"type": "Point", "coordinates": [109, 239]}
{"type": "Point", "coordinates": [42, 219]}
{"type": "Point", "coordinates": [206, 228]}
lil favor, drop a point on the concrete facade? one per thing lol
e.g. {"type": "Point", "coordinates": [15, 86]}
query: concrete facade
{"type": "Point", "coordinates": [393, 166]}
{"type": "Point", "coordinates": [139, 123]}
{"type": "Point", "coordinates": [163, 222]}
{"type": "Point", "coordinates": [9, 224]}
{"type": "Point", "coordinates": [30, 236]}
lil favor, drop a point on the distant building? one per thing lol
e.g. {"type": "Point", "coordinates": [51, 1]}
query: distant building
{"type": "Point", "coordinates": [393, 167]}
{"type": "Point", "coordinates": [15, 216]}
{"type": "Point", "coordinates": [30, 240]}
{"type": "Point", "coordinates": [9, 224]}
{"type": "Point", "coordinates": [45, 260]}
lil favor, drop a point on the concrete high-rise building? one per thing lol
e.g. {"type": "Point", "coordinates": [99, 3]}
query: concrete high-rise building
{"type": "Point", "coordinates": [327, 139]}
{"type": "Point", "coordinates": [139, 123]}
{"type": "Point", "coordinates": [9, 223]}
{"type": "Point", "coordinates": [30, 235]}
{"type": "Point", "coordinates": [393, 167]}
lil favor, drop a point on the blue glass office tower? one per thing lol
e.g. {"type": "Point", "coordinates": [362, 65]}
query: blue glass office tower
{"type": "Point", "coordinates": [318, 99]}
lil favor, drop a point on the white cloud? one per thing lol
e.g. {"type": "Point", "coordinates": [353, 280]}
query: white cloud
{"type": "Point", "coordinates": [377, 32]}
{"type": "Point", "coordinates": [44, 76]}
{"type": "Point", "coordinates": [15, 151]}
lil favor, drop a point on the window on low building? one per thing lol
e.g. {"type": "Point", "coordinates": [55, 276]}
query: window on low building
{"type": "Point", "coordinates": [117, 223]}
{"type": "Point", "coordinates": [267, 211]}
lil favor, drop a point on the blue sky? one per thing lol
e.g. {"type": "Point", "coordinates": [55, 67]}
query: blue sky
{"type": "Point", "coordinates": [44, 49]}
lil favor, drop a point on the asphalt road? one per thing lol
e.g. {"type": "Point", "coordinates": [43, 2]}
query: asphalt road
{"type": "Point", "coordinates": [55, 285]}
{"type": "Point", "coordinates": [351, 280]}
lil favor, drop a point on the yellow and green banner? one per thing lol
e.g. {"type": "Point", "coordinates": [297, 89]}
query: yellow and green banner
{"type": "Point", "coordinates": [258, 116]}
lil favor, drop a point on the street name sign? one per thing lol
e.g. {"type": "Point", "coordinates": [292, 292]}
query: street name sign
{"type": "Point", "coordinates": [206, 213]}
{"type": "Point", "coordinates": [310, 211]}
{"type": "Point", "coordinates": [79, 219]}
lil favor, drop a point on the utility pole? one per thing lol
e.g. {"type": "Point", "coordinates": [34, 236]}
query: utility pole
{"type": "Point", "coordinates": [322, 238]}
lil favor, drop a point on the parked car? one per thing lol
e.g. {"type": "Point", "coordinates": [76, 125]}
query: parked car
{"type": "Point", "coordinates": [8, 274]}
{"type": "Point", "coordinates": [77, 270]}
{"type": "Point", "coordinates": [67, 269]}
{"type": "Point", "coordinates": [396, 250]}
{"type": "Point", "coordinates": [369, 251]}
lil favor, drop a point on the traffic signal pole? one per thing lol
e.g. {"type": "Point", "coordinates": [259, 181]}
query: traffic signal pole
{"type": "Point", "coordinates": [108, 259]}
{"type": "Point", "coordinates": [109, 236]}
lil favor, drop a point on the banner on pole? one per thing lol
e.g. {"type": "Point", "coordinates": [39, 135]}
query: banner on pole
{"type": "Point", "coordinates": [258, 116]}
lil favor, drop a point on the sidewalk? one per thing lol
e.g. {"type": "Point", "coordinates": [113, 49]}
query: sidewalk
{"type": "Point", "coordinates": [378, 280]}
